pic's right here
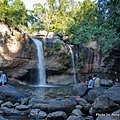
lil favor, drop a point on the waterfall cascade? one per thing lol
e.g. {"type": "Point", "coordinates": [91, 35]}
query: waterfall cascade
{"type": "Point", "coordinates": [41, 75]}
{"type": "Point", "coordinates": [73, 65]}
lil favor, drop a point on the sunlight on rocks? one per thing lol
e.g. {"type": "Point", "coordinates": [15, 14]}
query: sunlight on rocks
{"type": "Point", "coordinates": [14, 46]}
{"type": "Point", "coordinates": [4, 29]}
{"type": "Point", "coordinates": [5, 56]}
{"type": "Point", "coordinates": [1, 49]}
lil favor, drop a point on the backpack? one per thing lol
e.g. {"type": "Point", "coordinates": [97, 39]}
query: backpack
{"type": "Point", "coordinates": [94, 81]}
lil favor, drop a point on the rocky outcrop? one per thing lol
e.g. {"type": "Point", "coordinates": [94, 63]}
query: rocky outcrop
{"type": "Point", "coordinates": [108, 102]}
{"type": "Point", "coordinates": [18, 53]}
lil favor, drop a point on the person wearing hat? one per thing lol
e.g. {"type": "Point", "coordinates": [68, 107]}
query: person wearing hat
{"type": "Point", "coordinates": [3, 78]}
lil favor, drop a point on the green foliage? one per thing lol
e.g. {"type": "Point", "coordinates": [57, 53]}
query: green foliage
{"type": "Point", "coordinates": [82, 22]}
{"type": "Point", "coordinates": [57, 46]}
{"type": "Point", "coordinates": [110, 27]}
{"type": "Point", "coordinates": [80, 64]}
{"type": "Point", "coordinates": [83, 30]}
{"type": "Point", "coordinates": [56, 17]}
{"type": "Point", "coordinates": [13, 13]}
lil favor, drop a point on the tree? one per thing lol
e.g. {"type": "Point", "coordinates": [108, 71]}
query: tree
{"type": "Point", "coordinates": [35, 17]}
{"type": "Point", "coordinates": [85, 19]}
{"type": "Point", "coordinates": [56, 16]}
{"type": "Point", "coordinates": [13, 12]}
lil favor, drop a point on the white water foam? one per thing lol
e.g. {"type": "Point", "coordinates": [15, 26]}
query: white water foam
{"type": "Point", "coordinates": [41, 79]}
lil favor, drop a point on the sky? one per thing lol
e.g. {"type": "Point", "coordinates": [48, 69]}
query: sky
{"type": "Point", "coordinates": [29, 3]}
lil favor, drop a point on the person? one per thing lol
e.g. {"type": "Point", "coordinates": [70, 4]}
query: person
{"type": "Point", "coordinates": [89, 87]}
{"type": "Point", "coordinates": [3, 78]}
{"type": "Point", "coordinates": [113, 81]}
{"type": "Point", "coordinates": [96, 81]}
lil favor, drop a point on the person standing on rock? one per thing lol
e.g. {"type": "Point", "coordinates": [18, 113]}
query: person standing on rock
{"type": "Point", "coordinates": [89, 87]}
{"type": "Point", "coordinates": [3, 78]}
{"type": "Point", "coordinates": [96, 81]}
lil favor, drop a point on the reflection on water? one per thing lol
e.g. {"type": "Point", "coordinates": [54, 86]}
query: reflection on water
{"type": "Point", "coordinates": [46, 90]}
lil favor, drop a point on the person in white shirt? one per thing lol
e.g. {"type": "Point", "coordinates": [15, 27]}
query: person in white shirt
{"type": "Point", "coordinates": [3, 78]}
{"type": "Point", "coordinates": [89, 87]}
{"type": "Point", "coordinates": [96, 81]}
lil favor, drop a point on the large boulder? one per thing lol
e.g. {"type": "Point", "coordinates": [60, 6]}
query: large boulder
{"type": "Point", "coordinates": [108, 102]}
{"type": "Point", "coordinates": [94, 93]}
{"type": "Point", "coordinates": [113, 93]}
{"type": "Point", "coordinates": [103, 104]}
{"type": "Point", "coordinates": [85, 105]}
{"type": "Point", "coordinates": [8, 91]}
{"type": "Point", "coordinates": [80, 89]}
{"type": "Point", "coordinates": [65, 105]}
{"type": "Point", "coordinates": [113, 116]}
{"type": "Point", "coordinates": [58, 115]}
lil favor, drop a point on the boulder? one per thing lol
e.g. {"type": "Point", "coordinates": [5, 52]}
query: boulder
{"type": "Point", "coordinates": [103, 104]}
{"type": "Point", "coordinates": [9, 91]}
{"type": "Point", "coordinates": [34, 113]}
{"type": "Point", "coordinates": [94, 93]}
{"type": "Point", "coordinates": [85, 105]}
{"type": "Point", "coordinates": [10, 111]}
{"type": "Point", "coordinates": [42, 115]}
{"type": "Point", "coordinates": [113, 93]}
{"type": "Point", "coordinates": [7, 104]}
{"type": "Point", "coordinates": [112, 116]}
{"type": "Point", "coordinates": [68, 105]}
{"type": "Point", "coordinates": [73, 117]}
{"type": "Point", "coordinates": [22, 107]}
{"type": "Point", "coordinates": [77, 112]}
{"type": "Point", "coordinates": [108, 102]}
{"type": "Point", "coordinates": [41, 106]}
{"type": "Point", "coordinates": [65, 105]}
{"type": "Point", "coordinates": [80, 89]}
{"type": "Point", "coordinates": [54, 106]}
{"type": "Point", "coordinates": [58, 115]}
{"type": "Point", "coordinates": [2, 118]}
{"type": "Point", "coordinates": [106, 82]}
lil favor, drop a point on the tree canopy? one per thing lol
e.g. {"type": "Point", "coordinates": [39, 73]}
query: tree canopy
{"type": "Point", "coordinates": [13, 12]}
{"type": "Point", "coordinates": [83, 21]}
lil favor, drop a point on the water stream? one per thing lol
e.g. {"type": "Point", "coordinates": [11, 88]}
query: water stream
{"type": "Point", "coordinates": [41, 75]}
{"type": "Point", "coordinates": [73, 66]}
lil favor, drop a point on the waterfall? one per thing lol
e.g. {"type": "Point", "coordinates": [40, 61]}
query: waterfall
{"type": "Point", "coordinates": [73, 65]}
{"type": "Point", "coordinates": [41, 75]}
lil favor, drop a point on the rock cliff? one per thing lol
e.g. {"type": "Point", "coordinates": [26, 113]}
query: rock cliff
{"type": "Point", "coordinates": [19, 60]}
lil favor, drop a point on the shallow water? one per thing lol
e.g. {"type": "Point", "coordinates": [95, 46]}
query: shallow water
{"type": "Point", "coordinates": [46, 90]}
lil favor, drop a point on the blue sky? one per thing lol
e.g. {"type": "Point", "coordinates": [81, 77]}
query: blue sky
{"type": "Point", "coordinates": [29, 3]}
